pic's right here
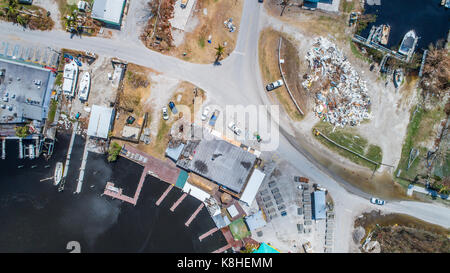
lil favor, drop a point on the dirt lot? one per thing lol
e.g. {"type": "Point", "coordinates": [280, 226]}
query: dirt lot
{"type": "Point", "coordinates": [207, 18]}
{"type": "Point", "coordinates": [268, 61]}
{"type": "Point", "coordinates": [400, 233]}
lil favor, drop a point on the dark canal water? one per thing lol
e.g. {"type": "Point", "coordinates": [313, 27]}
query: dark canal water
{"type": "Point", "coordinates": [35, 217]}
{"type": "Point", "coordinates": [428, 18]}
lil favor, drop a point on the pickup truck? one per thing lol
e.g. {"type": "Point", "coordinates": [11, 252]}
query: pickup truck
{"type": "Point", "coordinates": [301, 179]}
{"type": "Point", "coordinates": [274, 85]}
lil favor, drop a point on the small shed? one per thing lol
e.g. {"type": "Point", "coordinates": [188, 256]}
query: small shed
{"type": "Point", "coordinates": [255, 221]}
{"type": "Point", "coordinates": [319, 205]}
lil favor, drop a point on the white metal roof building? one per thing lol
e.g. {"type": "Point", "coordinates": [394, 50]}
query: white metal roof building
{"type": "Point", "coordinates": [252, 187]}
{"type": "Point", "coordinates": [108, 11]}
{"type": "Point", "coordinates": [100, 121]}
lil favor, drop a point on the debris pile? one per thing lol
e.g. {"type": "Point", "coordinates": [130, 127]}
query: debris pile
{"type": "Point", "coordinates": [341, 97]}
{"type": "Point", "coordinates": [229, 24]}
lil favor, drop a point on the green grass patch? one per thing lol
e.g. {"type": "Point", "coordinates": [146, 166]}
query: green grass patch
{"type": "Point", "coordinates": [52, 110]}
{"type": "Point", "coordinates": [356, 52]}
{"type": "Point", "coordinates": [239, 229]}
{"type": "Point", "coordinates": [349, 139]}
{"type": "Point", "coordinates": [420, 129]}
{"type": "Point", "coordinates": [201, 41]}
{"type": "Point", "coordinates": [114, 151]}
{"type": "Point", "coordinates": [347, 6]}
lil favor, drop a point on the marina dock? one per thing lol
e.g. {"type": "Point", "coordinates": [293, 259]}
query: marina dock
{"type": "Point", "coordinates": [222, 249]}
{"type": "Point", "coordinates": [83, 166]}
{"type": "Point", "coordinates": [367, 42]}
{"type": "Point", "coordinates": [164, 195]}
{"type": "Point", "coordinates": [175, 205]}
{"type": "Point", "coordinates": [210, 232]}
{"type": "Point", "coordinates": [194, 214]}
{"type": "Point", "coordinates": [3, 148]}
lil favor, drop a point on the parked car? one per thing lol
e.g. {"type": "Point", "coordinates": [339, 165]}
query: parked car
{"type": "Point", "coordinates": [301, 179]}
{"type": "Point", "coordinates": [283, 213]}
{"type": "Point", "coordinates": [274, 85]}
{"type": "Point", "coordinates": [165, 114]}
{"type": "Point", "coordinates": [234, 128]}
{"type": "Point", "coordinates": [377, 201]}
{"type": "Point", "coordinates": [260, 1]}
{"type": "Point", "coordinates": [205, 113]}
{"type": "Point", "coordinates": [214, 116]}
{"type": "Point", "coordinates": [172, 107]}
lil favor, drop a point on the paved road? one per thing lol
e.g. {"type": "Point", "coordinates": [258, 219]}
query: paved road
{"type": "Point", "coordinates": [237, 81]}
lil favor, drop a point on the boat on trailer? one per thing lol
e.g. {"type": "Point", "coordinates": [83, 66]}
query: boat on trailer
{"type": "Point", "coordinates": [85, 83]}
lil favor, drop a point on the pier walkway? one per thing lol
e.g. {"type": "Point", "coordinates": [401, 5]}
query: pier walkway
{"type": "Point", "coordinates": [203, 236]}
{"type": "Point", "coordinates": [152, 166]}
{"type": "Point", "coordinates": [164, 195]}
{"type": "Point", "coordinates": [222, 249]}
{"type": "Point", "coordinates": [83, 166]}
{"type": "Point", "coordinates": [175, 205]}
{"type": "Point", "coordinates": [368, 43]}
{"type": "Point", "coordinates": [195, 214]}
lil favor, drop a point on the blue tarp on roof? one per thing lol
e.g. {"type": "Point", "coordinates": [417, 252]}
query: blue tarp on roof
{"type": "Point", "coordinates": [265, 248]}
{"type": "Point", "coordinates": [319, 205]}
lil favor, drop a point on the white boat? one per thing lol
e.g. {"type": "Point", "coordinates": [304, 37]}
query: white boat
{"type": "Point", "coordinates": [70, 76]}
{"type": "Point", "coordinates": [58, 173]}
{"type": "Point", "coordinates": [83, 91]}
{"type": "Point", "coordinates": [408, 43]}
{"type": "Point", "coordinates": [398, 77]}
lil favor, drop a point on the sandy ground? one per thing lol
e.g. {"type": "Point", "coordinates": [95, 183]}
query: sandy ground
{"type": "Point", "coordinates": [206, 20]}
{"type": "Point", "coordinates": [51, 6]}
{"type": "Point", "coordinates": [101, 91]}
{"type": "Point", "coordinates": [390, 109]}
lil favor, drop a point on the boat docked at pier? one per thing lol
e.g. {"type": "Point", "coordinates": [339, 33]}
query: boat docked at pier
{"type": "Point", "coordinates": [70, 76]}
{"type": "Point", "coordinates": [408, 43]}
{"type": "Point", "coordinates": [58, 173]}
{"type": "Point", "coordinates": [83, 91]}
{"type": "Point", "coordinates": [385, 34]}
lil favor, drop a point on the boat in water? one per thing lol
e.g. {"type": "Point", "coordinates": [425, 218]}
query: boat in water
{"type": "Point", "coordinates": [58, 173]}
{"type": "Point", "coordinates": [408, 43]}
{"type": "Point", "coordinates": [83, 91]}
{"type": "Point", "coordinates": [398, 77]}
{"type": "Point", "coordinates": [70, 76]}
{"type": "Point", "coordinates": [385, 34]}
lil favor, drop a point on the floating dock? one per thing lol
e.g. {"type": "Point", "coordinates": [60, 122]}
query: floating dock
{"type": "Point", "coordinates": [210, 232]}
{"type": "Point", "coordinates": [175, 205]}
{"type": "Point", "coordinates": [194, 214]}
{"type": "Point", "coordinates": [164, 195]}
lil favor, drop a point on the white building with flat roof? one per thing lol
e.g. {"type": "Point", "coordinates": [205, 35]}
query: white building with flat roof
{"type": "Point", "coordinates": [100, 121]}
{"type": "Point", "coordinates": [108, 11]}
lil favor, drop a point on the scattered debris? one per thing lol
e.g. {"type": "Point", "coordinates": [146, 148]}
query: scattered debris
{"type": "Point", "coordinates": [342, 96]}
{"type": "Point", "coordinates": [229, 24]}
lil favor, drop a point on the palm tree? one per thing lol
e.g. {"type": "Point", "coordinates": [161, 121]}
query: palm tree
{"type": "Point", "coordinates": [11, 9]}
{"type": "Point", "coordinates": [284, 3]}
{"type": "Point", "coordinates": [21, 20]}
{"type": "Point", "coordinates": [219, 52]}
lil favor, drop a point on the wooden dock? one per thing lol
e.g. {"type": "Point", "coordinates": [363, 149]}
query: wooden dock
{"type": "Point", "coordinates": [194, 214]}
{"type": "Point", "coordinates": [210, 232]}
{"type": "Point", "coordinates": [222, 249]}
{"type": "Point", "coordinates": [164, 195]}
{"type": "Point", "coordinates": [175, 205]}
